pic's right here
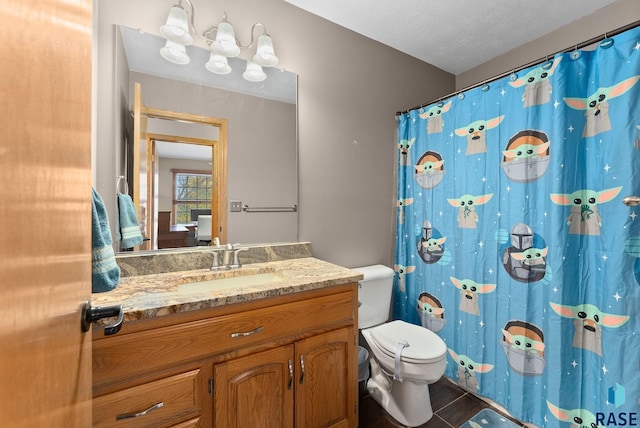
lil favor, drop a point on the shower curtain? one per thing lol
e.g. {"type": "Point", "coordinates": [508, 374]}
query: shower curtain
{"type": "Point", "coordinates": [512, 241]}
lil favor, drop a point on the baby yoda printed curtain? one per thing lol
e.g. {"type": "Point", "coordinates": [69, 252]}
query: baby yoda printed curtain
{"type": "Point", "coordinates": [513, 243]}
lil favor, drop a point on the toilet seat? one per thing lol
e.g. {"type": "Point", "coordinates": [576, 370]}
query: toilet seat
{"type": "Point", "coordinates": [424, 345]}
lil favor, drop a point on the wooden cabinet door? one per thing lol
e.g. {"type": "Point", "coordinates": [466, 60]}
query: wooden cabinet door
{"type": "Point", "coordinates": [326, 384]}
{"type": "Point", "coordinates": [255, 391]}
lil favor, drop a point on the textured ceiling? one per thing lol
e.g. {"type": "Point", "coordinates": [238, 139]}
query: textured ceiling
{"type": "Point", "coordinates": [454, 35]}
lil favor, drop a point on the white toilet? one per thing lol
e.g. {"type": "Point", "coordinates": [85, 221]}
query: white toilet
{"type": "Point", "coordinates": [405, 358]}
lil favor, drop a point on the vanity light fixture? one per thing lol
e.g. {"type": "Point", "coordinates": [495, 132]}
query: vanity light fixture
{"type": "Point", "coordinates": [175, 52]}
{"type": "Point", "coordinates": [179, 30]}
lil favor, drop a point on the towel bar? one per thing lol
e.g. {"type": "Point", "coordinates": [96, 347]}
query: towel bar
{"type": "Point", "coordinates": [246, 208]}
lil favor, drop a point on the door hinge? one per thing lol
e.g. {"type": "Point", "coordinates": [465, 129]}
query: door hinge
{"type": "Point", "coordinates": [355, 408]}
{"type": "Point", "coordinates": [210, 386]}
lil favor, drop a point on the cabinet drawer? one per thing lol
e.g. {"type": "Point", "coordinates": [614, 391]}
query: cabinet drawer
{"type": "Point", "coordinates": [194, 423]}
{"type": "Point", "coordinates": [167, 402]}
{"type": "Point", "coordinates": [122, 356]}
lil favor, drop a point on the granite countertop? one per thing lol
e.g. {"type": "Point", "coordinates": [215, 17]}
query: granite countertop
{"type": "Point", "coordinates": [149, 296]}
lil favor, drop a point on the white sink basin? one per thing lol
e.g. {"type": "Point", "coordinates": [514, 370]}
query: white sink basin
{"type": "Point", "coordinates": [233, 282]}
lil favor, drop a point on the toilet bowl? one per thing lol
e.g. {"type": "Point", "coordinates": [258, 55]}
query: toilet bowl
{"type": "Point", "coordinates": [404, 358]}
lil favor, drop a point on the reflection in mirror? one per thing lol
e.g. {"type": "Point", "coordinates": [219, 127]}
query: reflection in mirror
{"type": "Point", "coordinates": [183, 190]}
{"type": "Point", "coordinates": [261, 159]}
{"type": "Point", "coordinates": [192, 189]}
{"type": "Point", "coordinates": [183, 181]}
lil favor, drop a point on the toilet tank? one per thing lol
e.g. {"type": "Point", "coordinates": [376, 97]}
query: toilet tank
{"type": "Point", "coordinates": [374, 295]}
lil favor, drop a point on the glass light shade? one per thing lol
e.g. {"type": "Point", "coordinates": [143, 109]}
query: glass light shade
{"type": "Point", "coordinates": [264, 53]}
{"type": "Point", "coordinates": [254, 72]}
{"type": "Point", "coordinates": [225, 43]}
{"type": "Point", "coordinates": [175, 53]}
{"type": "Point", "coordinates": [176, 28]}
{"type": "Point", "coordinates": [218, 64]}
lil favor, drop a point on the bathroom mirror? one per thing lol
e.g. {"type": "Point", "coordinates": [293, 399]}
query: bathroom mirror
{"type": "Point", "coordinates": [262, 132]}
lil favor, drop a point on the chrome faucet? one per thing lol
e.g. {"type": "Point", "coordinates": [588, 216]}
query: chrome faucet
{"type": "Point", "coordinates": [230, 257]}
{"type": "Point", "coordinates": [215, 265]}
{"type": "Point", "coordinates": [227, 255]}
{"type": "Point", "coordinates": [236, 258]}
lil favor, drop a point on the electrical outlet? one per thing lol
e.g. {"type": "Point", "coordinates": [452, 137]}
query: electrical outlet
{"type": "Point", "coordinates": [236, 206]}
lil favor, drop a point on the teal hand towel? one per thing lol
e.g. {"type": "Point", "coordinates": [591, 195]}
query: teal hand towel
{"type": "Point", "coordinates": [105, 273]}
{"type": "Point", "coordinates": [128, 228]}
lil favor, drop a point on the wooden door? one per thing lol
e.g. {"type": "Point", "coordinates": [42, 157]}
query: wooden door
{"type": "Point", "coordinates": [327, 386]}
{"type": "Point", "coordinates": [45, 212]}
{"type": "Point", "coordinates": [255, 391]}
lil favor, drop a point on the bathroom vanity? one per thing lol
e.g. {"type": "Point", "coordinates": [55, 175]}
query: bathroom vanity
{"type": "Point", "coordinates": [270, 344]}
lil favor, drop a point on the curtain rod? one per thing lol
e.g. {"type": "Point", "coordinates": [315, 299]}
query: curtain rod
{"type": "Point", "coordinates": [522, 67]}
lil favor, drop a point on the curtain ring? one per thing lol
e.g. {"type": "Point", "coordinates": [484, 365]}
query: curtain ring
{"type": "Point", "coordinates": [575, 54]}
{"type": "Point", "coordinates": [606, 43]}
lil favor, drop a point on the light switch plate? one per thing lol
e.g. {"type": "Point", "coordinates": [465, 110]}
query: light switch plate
{"type": "Point", "coordinates": [236, 206]}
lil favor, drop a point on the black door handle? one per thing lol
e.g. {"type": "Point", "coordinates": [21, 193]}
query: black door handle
{"type": "Point", "coordinates": [94, 313]}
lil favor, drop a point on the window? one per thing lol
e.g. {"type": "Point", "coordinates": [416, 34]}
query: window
{"type": "Point", "coordinates": [191, 190]}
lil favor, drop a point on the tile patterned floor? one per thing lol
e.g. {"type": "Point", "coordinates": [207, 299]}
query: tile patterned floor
{"type": "Point", "coordinates": [452, 407]}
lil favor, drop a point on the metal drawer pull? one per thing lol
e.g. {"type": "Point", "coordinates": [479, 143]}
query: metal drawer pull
{"type": "Point", "coordinates": [290, 374]}
{"type": "Point", "coordinates": [142, 413]}
{"type": "Point", "coordinates": [302, 367]}
{"type": "Point", "coordinates": [248, 333]}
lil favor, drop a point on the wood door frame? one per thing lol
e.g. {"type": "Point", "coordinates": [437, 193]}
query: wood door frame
{"type": "Point", "coordinates": [152, 138]}
{"type": "Point", "coordinates": [218, 163]}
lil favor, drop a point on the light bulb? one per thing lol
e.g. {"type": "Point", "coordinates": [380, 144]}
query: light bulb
{"type": "Point", "coordinates": [254, 72]}
{"type": "Point", "coordinates": [218, 64]}
{"type": "Point", "coordinates": [265, 55]}
{"type": "Point", "coordinates": [176, 28]}
{"type": "Point", "coordinates": [225, 43]}
{"type": "Point", "coordinates": [175, 53]}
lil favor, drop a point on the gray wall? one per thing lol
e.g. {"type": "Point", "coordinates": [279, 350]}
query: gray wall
{"type": "Point", "coordinates": [349, 89]}
{"type": "Point", "coordinates": [609, 18]}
